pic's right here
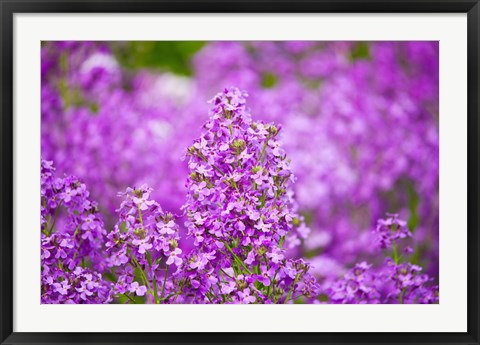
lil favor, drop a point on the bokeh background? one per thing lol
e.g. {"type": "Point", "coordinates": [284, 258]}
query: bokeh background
{"type": "Point", "coordinates": [360, 125]}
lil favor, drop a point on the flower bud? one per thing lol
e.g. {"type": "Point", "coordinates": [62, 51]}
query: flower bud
{"type": "Point", "coordinates": [261, 250]}
{"type": "Point", "coordinates": [256, 169]}
{"type": "Point", "coordinates": [139, 232]}
{"type": "Point", "coordinates": [241, 284]}
{"type": "Point", "coordinates": [192, 150]}
{"type": "Point", "coordinates": [168, 216]}
{"type": "Point", "coordinates": [273, 130]}
{"type": "Point", "coordinates": [194, 176]}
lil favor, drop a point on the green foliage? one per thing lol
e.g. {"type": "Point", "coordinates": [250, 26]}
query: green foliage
{"type": "Point", "coordinates": [361, 51]}
{"type": "Point", "coordinates": [269, 80]}
{"type": "Point", "coordinates": [414, 201]}
{"type": "Point", "coordinates": [131, 298]}
{"type": "Point", "coordinates": [323, 298]}
{"type": "Point", "coordinates": [170, 56]}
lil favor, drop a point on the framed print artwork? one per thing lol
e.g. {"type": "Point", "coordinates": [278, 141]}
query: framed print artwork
{"type": "Point", "coordinates": [241, 172]}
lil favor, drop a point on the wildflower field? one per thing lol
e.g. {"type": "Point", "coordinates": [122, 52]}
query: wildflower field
{"type": "Point", "coordinates": [239, 172]}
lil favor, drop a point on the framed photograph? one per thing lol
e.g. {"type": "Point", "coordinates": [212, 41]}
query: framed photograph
{"type": "Point", "coordinates": [241, 172]}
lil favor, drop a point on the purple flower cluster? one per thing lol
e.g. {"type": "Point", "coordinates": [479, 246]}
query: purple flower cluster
{"type": "Point", "coordinates": [391, 282]}
{"type": "Point", "coordinates": [241, 213]}
{"type": "Point", "coordinates": [359, 123]}
{"type": "Point", "coordinates": [391, 230]}
{"type": "Point", "coordinates": [387, 284]}
{"type": "Point", "coordinates": [80, 286]}
{"type": "Point", "coordinates": [356, 287]}
{"type": "Point", "coordinates": [106, 118]}
{"type": "Point", "coordinates": [80, 232]}
{"type": "Point", "coordinates": [143, 246]}
{"type": "Point", "coordinates": [71, 249]}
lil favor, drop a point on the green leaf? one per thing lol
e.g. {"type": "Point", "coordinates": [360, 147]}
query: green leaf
{"type": "Point", "coordinates": [149, 259]}
{"type": "Point", "coordinates": [361, 51]}
{"type": "Point", "coordinates": [122, 299]}
{"type": "Point", "coordinates": [170, 56]}
{"type": "Point", "coordinates": [269, 80]}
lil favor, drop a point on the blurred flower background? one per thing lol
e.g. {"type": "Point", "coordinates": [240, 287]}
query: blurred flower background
{"type": "Point", "coordinates": [359, 124]}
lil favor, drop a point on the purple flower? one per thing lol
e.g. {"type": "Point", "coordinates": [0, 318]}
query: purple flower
{"type": "Point", "coordinates": [173, 257]}
{"type": "Point", "coordinates": [166, 228]}
{"type": "Point", "coordinates": [245, 296]}
{"type": "Point", "coordinates": [89, 222]}
{"type": "Point", "coordinates": [265, 227]}
{"type": "Point", "coordinates": [266, 275]}
{"type": "Point", "coordinates": [139, 290]}
{"type": "Point", "coordinates": [62, 288]}
{"type": "Point", "coordinates": [143, 245]}
{"type": "Point", "coordinates": [84, 291]}
{"type": "Point", "coordinates": [68, 194]}
{"type": "Point", "coordinates": [142, 202]}
{"type": "Point", "coordinates": [390, 230]}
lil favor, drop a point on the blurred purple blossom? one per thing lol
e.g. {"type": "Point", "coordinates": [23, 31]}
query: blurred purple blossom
{"type": "Point", "coordinates": [359, 125]}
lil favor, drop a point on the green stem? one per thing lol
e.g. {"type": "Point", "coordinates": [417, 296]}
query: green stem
{"type": "Point", "coordinates": [130, 298]}
{"type": "Point", "coordinates": [221, 269]}
{"type": "Point", "coordinates": [168, 296]}
{"type": "Point", "coordinates": [206, 161]}
{"type": "Point", "coordinates": [272, 285]}
{"type": "Point", "coordinates": [262, 201]}
{"type": "Point", "coordinates": [272, 281]}
{"type": "Point", "coordinates": [220, 289]}
{"type": "Point", "coordinates": [164, 282]}
{"type": "Point", "coordinates": [396, 259]}
{"type": "Point", "coordinates": [79, 246]}
{"type": "Point", "coordinates": [140, 217]}
{"type": "Point", "coordinates": [280, 243]}
{"type": "Point", "coordinates": [179, 291]}
{"type": "Point", "coordinates": [239, 261]}
{"type": "Point", "coordinates": [144, 276]}
{"type": "Point", "coordinates": [235, 186]}
{"type": "Point", "coordinates": [155, 291]}
{"type": "Point", "coordinates": [266, 261]}
{"type": "Point", "coordinates": [264, 148]}
{"type": "Point", "coordinates": [55, 218]}
{"type": "Point", "coordinates": [401, 296]}
{"type": "Point", "coordinates": [291, 289]}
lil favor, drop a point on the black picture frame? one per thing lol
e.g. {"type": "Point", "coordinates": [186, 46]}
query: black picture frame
{"type": "Point", "coordinates": [9, 8]}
